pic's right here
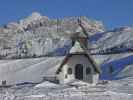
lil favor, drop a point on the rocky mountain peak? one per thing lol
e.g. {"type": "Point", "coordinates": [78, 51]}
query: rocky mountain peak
{"type": "Point", "coordinates": [37, 34]}
{"type": "Point", "coordinates": [35, 15]}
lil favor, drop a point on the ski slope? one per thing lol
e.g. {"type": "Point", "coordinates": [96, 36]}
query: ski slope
{"type": "Point", "coordinates": [28, 70]}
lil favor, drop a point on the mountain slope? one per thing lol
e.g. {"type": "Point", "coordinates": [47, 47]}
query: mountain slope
{"type": "Point", "coordinates": [38, 35]}
{"type": "Point", "coordinates": [115, 52]}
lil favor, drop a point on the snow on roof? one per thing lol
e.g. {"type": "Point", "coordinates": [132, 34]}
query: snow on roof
{"type": "Point", "coordinates": [76, 48]}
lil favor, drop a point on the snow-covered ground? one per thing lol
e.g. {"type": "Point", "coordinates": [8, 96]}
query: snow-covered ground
{"type": "Point", "coordinates": [115, 90]}
{"type": "Point", "coordinates": [45, 90]}
{"type": "Point", "coordinates": [28, 70]}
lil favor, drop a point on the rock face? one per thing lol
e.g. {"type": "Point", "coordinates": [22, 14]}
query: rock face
{"type": "Point", "coordinates": [38, 35]}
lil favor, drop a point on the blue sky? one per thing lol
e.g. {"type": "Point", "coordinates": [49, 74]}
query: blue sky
{"type": "Point", "coordinates": [113, 13]}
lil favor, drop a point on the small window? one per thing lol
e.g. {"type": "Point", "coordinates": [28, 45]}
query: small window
{"type": "Point", "coordinates": [69, 71]}
{"type": "Point", "coordinates": [4, 82]}
{"type": "Point", "coordinates": [65, 76]}
{"type": "Point", "coordinates": [88, 70]}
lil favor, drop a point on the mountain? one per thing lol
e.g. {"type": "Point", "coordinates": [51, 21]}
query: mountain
{"type": "Point", "coordinates": [39, 35]}
{"type": "Point", "coordinates": [115, 52]}
{"type": "Point", "coordinates": [116, 40]}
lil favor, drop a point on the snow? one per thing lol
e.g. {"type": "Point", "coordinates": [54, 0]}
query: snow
{"type": "Point", "coordinates": [119, 67]}
{"type": "Point", "coordinates": [115, 90]}
{"type": "Point", "coordinates": [76, 48]}
{"type": "Point", "coordinates": [29, 70]}
{"type": "Point", "coordinates": [126, 72]}
{"type": "Point", "coordinates": [46, 84]}
{"type": "Point", "coordinates": [115, 38]}
{"type": "Point", "coordinates": [38, 35]}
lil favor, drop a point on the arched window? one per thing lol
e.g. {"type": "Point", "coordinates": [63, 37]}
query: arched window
{"type": "Point", "coordinates": [88, 70]}
{"type": "Point", "coordinates": [69, 71]}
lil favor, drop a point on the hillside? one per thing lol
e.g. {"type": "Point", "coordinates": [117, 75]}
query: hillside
{"type": "Point", "coordinates": [115, 51]}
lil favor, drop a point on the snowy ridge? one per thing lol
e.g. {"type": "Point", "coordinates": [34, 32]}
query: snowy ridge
{"type": "Point", "coordinates": [115, 51]}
